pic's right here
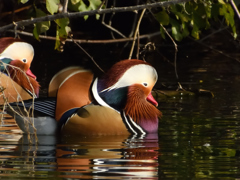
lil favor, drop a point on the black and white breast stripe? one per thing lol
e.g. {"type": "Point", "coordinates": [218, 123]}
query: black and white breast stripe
{"type": "Point", "coordinates": [131, 125]}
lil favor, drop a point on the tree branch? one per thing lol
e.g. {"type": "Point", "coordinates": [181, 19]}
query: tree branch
{"type": "Point", "coordinates": [89, 13]}
{"type": "Point", "coordinates": [65, 6]}
{"type": "Point", "coordinates": [87, 41]}
{"type": "Point", "coordinates": [136, 32]}
{"type": "Point", "coordinates": [235, 8]}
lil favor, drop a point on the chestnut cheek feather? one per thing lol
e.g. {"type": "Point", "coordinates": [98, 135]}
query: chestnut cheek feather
{"type": "Point", "coordinates": [20, 78]}
{"type": "Point", "coordinates": [138, 108]}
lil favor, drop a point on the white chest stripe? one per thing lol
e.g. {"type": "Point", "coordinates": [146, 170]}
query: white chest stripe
{"type": "Point", "coordinates": [137, 126]}
{"type": "Point", "coordinates": [132, 126]}
{"type": "Point", "coordinates": [97, 97]}
{"type": "Point", "coordinates": [128, 125]}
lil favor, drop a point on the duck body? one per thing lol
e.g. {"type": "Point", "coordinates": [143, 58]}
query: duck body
{"type": "Point", "coordinates": [16, 79]}
{"type": "Point", "coordinates": [119, 103]}
{"type": "Point", "coordinates": [39, 117]}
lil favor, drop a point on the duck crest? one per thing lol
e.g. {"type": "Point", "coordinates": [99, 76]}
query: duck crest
{"type": "Point", "coordinates": [6, 41]}
{"type": "Point", "coordinates": [118, 69]}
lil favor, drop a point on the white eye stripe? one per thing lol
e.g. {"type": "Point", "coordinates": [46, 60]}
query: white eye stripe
{"type": "Point", "coordinates": [138, 74]}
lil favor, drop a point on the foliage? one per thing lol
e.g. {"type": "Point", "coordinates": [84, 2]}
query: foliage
{"type": "Point", "coordinates": [63, 29]}
{"type": "Point", "coordinates": [193, 16]}
{"type": "Point", "coordinates": [184, 19]}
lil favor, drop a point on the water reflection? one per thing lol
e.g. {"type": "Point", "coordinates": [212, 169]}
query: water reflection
{"type": "Point", "coordinates": [199, 138]}
{"type": "Point", "coordinates": [111, 157]}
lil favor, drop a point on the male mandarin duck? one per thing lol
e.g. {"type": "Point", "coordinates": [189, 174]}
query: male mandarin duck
{"type": "Point", "coordinates": [119, 103]}
{"type": "Point", "coordinates": [15, 61]}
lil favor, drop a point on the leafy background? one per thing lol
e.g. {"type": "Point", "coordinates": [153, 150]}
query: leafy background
{"type": "Point", "coordinates": [184, 19]}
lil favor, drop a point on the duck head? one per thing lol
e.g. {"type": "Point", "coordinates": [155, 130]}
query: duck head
{"type": "Point", "coordinates": [19, 55]}
{"type": "Point", "coordinates": [127, 87]}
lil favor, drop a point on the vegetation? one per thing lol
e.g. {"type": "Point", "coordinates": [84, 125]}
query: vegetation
{"type": "Point", "coordinates": [182, 17]}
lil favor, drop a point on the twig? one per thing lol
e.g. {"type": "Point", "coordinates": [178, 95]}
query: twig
{"type": "Point", "coordinates": [220, 52]}
{"type": "Point", "coordinates": [217, 31]}
{"type": "Point", "coordinates": [90, 13]}
{"type": "Point", "coordinates": [109, 25]}
{"type": "Point", "coordinates": [235, 8]}
{"type": "Point", "coordinates": [136, 32]}
{"type": "Point", "coordinates": [134, 23]}
{"type": "Point", "coordinates": [82, 41]}
{"type": "Point", "coordinates": [176, 50]}
{"type": "Point", "coordinates": [138, 44]}
{"type": "Point", "coordinates": [87, 54]}
{"type": "Point", "coordinates": [27, 119]}
{"type": "Point", "coordinates": [15, 11]}
{"type": "Point", "coordinates": [65, 6]}
{"type": "Point", "coordinates": [101, 5]}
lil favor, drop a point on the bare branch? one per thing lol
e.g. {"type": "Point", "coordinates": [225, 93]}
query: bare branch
{"type": "Point", "coordinates": [87, 54]}
{"type": "Point", "coordinates": [86, 41]}
{"type": "Point", "coordinates": [235, 8]}
{"type": "Point", "coordinates": [65, 6]}
{"type": "Point", "coordinates": [176, 50]}
{"type": "Point", "coordinates": [136, 32]}
{"type": "Point", "coordinates": [89, 13]}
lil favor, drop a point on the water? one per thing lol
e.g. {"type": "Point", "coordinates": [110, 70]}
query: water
{"type": "Point", "coordinates": [199, 137]}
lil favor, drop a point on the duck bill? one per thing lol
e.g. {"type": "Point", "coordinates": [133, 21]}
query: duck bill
{"type": "Point", "coordinates": [29, 73]}
{"type": "Point", "coordinates": [151, 99]}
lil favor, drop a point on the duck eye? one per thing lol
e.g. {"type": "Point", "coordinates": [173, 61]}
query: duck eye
{"type": "Point", "coordinates": [145, 84]}
{"type": "Point", "coordinates": [24, 60]}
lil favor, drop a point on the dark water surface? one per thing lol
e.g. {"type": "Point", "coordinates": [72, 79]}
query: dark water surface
{"type": "Point", "coordinates": [199, 137]}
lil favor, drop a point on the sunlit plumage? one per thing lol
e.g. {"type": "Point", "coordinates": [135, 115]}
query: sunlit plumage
{"type": "Point", "coordinates": [119, 103]}
{"type": "Point", "coordinates": [17, 55]}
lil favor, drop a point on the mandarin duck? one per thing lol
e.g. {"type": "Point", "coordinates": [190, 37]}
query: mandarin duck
{"type": "Point", "coordinates": [15, 61]}
{"type": "Point", "coordinates": [119, 103]}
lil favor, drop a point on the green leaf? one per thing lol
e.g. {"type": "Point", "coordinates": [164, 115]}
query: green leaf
{"type": "Point", "coordinates": [75, 1]}
{"type": "Point", "coordinates": [200, 17]}
{"type": "Point", "coordinates": [24, 1]}
{"type": "Point", "coordinates": [57, 42]}
{"type": "Point", "coordinates": [195, 31]}
{"type": "Point", "coordinates": [35, 33]}
{"type": "Point", "coordinates": [185, 31]}
{"type": "Point", "coordinates": [162, 17]}
{"type": "Point", "coordinates": [180, 13]}
{"type": "Point", "coordinates": [62, 31]}
{"type": "Point", "coordinates": [40, 27]}
{"type": "Point", "coordinates": [215, 11]}
{"type": "Point", "coordinates": [82, 7]}
{"type": "Point", "coordinates": [52, 6]}
{"type": "Point", "coordinates": [222, 10]}
{"type": "Point", "coordinates": [62, 23]}
{"type": "Point", "coordinates": [93, 5]}
{"type": "Point", "coordinates": [176, 30]}
{"type": "Point", "coordinates": [221, 2]}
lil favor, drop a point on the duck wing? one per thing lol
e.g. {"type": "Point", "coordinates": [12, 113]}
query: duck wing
{"type": "Point", "coordinates": [74, 92]}
{"type": "Point", "coordinates": [59, 78]}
